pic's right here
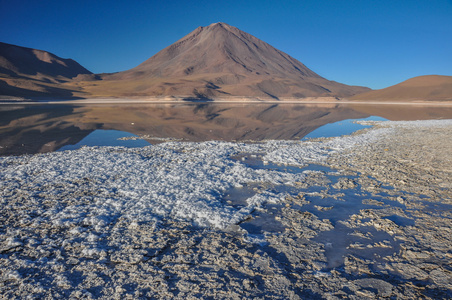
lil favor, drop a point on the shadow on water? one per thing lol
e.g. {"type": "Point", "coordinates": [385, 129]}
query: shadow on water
{"type": "Point", "coordinates": [264, 221]}
{"type": "Point", "coordinates": [197, 99]}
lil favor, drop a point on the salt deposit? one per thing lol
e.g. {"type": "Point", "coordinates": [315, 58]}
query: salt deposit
{"type": "Point", "coordinates": [366, 215]}
{"type": "Point", "coordinates": [184, 181]}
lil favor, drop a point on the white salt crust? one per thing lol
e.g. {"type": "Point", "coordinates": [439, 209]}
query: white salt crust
{"type": "Point", "coordinates": [181, 180]}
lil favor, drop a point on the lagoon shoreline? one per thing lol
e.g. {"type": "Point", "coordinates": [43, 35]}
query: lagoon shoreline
{"type": "Point", "coordinates": [237, 100]}
{"type": "Point", "coordinates": [393, 241]}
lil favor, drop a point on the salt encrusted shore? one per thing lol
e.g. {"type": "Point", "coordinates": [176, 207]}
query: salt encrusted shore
{"type": "Point", "coordinates": [7, 100]}
{"type": "Point", "coordinates": [360, 216]}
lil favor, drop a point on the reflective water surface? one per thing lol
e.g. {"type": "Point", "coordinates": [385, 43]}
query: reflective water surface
{"type": "Point", "coordinates": [46, 128]}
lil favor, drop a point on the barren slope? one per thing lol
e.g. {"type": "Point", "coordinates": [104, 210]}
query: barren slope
{"type": "Point", "coordinates": [26, 72]}
{"type": "Point", "coordinates": [430, 87]}
{"type": "Point", "coordinates": [19, 61]}
{"type": "Point", "coordinates": [219, 61]}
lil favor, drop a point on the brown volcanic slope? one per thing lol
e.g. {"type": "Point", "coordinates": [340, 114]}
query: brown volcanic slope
{"type": "Point", "coordinates": [219, 61]}
{"type": "Point", "coordinates": [428, 88]}
{"type": "Point", "coordinates": [26, 72]}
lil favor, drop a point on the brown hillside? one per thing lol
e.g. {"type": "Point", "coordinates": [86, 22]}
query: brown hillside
{"type": "Point", "coordinates": [21, 62]}
{"type": "Point", "coordinates": [219, 48]}
{"type": "Point", "coordinates": [26, 72]}
{"type": "Point", "coordinates": [430, 87]}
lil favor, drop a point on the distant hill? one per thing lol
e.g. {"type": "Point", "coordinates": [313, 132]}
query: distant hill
{"type": "Point", "coordinates": [19, 61]}
{"type": "Point", "coordinates": [220, 61]}
{"type": "Point", "coordinates": [429, 87]}
{"type": "Point", "coordinates": [26, 72]}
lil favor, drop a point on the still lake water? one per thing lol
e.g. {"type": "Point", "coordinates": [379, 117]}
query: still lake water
{"type": "Point", "coordinates": [46, 128]}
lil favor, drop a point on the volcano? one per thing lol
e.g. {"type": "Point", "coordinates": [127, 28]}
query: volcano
{"type": "Point", "coordinates": [213, 62]}
{"type": "Point", "coordinates": [219, 61]}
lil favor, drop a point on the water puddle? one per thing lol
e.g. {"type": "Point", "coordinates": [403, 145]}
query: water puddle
{"type": "Point", "coordinates": [400, 221]}
{"type": "Point", "coordinates": [344, 202]}
{"type": "Point", "coordinates": [368, 243]}
{"type": "Point", "coordinates": [436, 207]}
{"type": "Point", "coordinates": [107, 138]}
{"type": "Point", "coordinates": [263, 222]}
{"type": "Point", "coordinates": [254, 161]}
{"type": "Point", "coordinates": [335, 199]}
{"type": "Point", "coordinates": [237, 196]}
{"type": "Point", "coordinates": [344, 127]}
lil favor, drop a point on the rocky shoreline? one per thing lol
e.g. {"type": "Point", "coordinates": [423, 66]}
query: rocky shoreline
{"type": "Point", "coordinates": [362, 216]}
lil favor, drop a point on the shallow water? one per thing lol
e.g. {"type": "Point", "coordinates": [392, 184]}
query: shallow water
{"type": "Point", "coordinates": [337, 245]}
{"type": "Point", "coordinates": [46, 128]}
{"type": "Point", "coordinates": [330, 201]}
{"type": "Point", "coordinates": [344, 127]}
{"type": "Point", "coordinates": [107, 138]}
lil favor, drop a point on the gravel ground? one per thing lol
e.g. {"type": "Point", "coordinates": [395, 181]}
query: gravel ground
{"type": "Point", "coordinates": [366, 216]}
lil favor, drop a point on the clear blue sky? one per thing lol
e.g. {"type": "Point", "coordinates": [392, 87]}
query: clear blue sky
{"type": "Point", "coordinates": [374, 43]}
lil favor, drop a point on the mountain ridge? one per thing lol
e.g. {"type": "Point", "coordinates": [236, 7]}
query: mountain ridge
{"type": "Point", "coordinates": [425, 87]}
{"type": "Point", "coordinates": [18, 61]}
{"type": "Point", "coordinates": [212, 62]}
{"type": "Point", "coordinates": [31, 73]}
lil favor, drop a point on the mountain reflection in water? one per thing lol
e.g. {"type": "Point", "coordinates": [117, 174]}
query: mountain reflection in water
{"type": "Point", "coordinates": [46, 128]}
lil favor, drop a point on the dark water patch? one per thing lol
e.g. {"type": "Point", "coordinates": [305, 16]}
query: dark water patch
{"type": "Point", "coordinates": [261, 220]}
{"type": "Point", "coordinates": [400, 221]}
{"type": "Point", "coordinates": [333, 209]}
{"type": "Point", "coordinates": [340, 203]}
{"type": "Point", "coordinates": [321, 168]}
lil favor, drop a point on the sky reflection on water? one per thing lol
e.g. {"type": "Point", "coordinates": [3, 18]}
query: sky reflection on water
{"type": "Point", "coordinates": [107, 138]}
{"type": "Point", "coordinates": [344, 127]}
